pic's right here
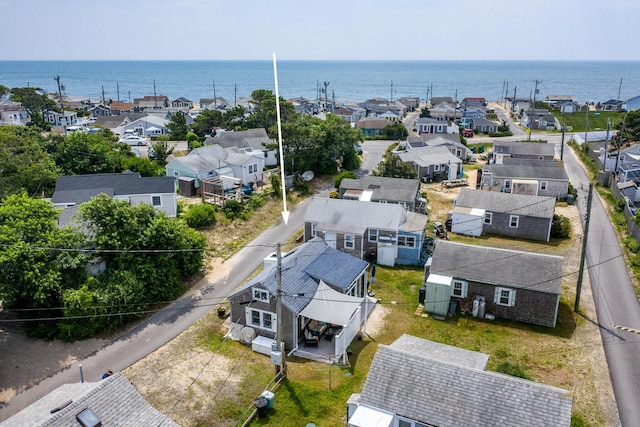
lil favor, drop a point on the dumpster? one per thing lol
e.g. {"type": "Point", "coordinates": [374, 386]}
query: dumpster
{"type": "Point", "coordinates": [270, 398]}
{"type": "Point", "coordinates": [261, 407]}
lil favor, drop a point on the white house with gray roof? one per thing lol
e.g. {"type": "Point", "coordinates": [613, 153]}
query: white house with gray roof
{"type": "Point", "coordinates": [514, 285]}
{"type": "Point", "coordinates": [159, 192]}
{"type": "Point", "coordinates": [385, 232]}
{"type": "Point", "coordinates": [433, 163]}
{"type": "Point", "coordinates": [250, 141]}
{"type": "Point", "coordinates": [379, 189]}
{"type": "Point", "coordinates": [417, 383]}
{"type": "Point", "coordinates": [521, 150]}
{"type": "Point", "coordinates": [477, 212]}
{"type": "Point", "coordinates": [322, 288]}
{"type": "Point", "coordinates": [535, 178]}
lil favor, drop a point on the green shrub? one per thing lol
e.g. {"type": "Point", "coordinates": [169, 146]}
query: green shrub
{"type": "Point", "coordinates": [255, 201]}
{"type": "Point", "coordinates": [632, 244]}
{"type": "Point", "coordinates": [334, 195]}
{"type": "Point", "coordinates": [342, 175]}
{"type": "Point", "coordinates": [200, 216]}
{"type": "Point", "coordinates": [560, 227]}
{"type": "Point", "coordinates": [232, 209]}
{"type": "Point", "coordinates": [578, 421]}
{"type": "Point", "coordinates": [512, 369]}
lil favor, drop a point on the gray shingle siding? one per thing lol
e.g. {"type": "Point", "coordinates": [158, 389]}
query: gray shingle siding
{"type": "Point", "coordinates": [528, 227]}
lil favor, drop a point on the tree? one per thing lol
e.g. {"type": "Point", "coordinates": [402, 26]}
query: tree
{"type": "Point", "coordinates": [393, 167]}
{"type": "Point", "coordinates": [264, 113]}
{"type": "Point", "coordinates": [146, 167]}
{"type": "Point", "coordinates": [24, 163]}
{"type": "Point", "coordinates": [425, 112]}
{"type": "Point", "coordinates": [632, 125]}
{"type": "Point", "coordinates": [207, 121]}
{"type": "Point", "coordinates": [36, 268]}
{"type": "Point", "coordinates": [395, 131]}
{"type": "Point", "coordinates": [342, 175]}
{"type": "Point", "coordinates": [82, 153]}
{"type": "Point", "coordinates": [178, 127]}
{"type": "Point", "coordinates": [4, 90]}
{"type": "Point", "coordinates": [160, 150]}
{"type": "Point", "coordinates": [35, 100]}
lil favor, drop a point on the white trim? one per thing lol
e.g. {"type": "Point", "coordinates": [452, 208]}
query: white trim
{"type": "Point", "coordinates": [263, 317]}
{"type": "Point", "coordinates": [513, 218]}
{"type": "Point", "coordinates": [488, 218]}
{"type": "Point", "coordinates": [349, 241]}
{"type": "Point", "coordinates": [406, 241]}
{"type": "Point", "coordinates": [373, 235]}
{"type": "Point", "coordinates": [505, 297]}
{"type": "Point", "coordinates": [543, 185]}
{"type": "Point", "coordinates": [259, 294]}
{"type": "Point", "coordinates": [464, 288]}
{"type": "Point", "coordinates": [159, 197]}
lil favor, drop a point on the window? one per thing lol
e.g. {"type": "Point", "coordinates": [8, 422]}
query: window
{"type": "Point", "coordinates": [436, 168]}
{"type": "Point", "coordinates": [513, 221]}
{"type": "Point", "coordinates": [505, 296]}
{"type": "Point", "coordinates": [488, 217]}
{"type": "Point", "coordinates": [373, 235]}
{"type": "Point", "coordinates": [349, 241]}
{"type": "Point", "coordinates": [407, 241]}
{"type": "Point", "coordinates": [459, 288]}
{"type": "Point", "coordinates": [253, 168]}
{"type": "Point", "coordinates": [543, 185]}
{"type": "Point", "coordinates": [156, 200]}
{"type": "Point", "coordinates": [176, 174]}
{"type": "Point", "coordinates": [507, 184]}
{"type": "Point", "coordinates": [260, 295]}
{"type": "Point", "coordinates": [261, 319]}
{"type": "Point", "coordinates": [313, 229]}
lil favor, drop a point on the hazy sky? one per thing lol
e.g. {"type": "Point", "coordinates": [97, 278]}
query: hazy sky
{"type": "Point", "coordinates": [302, 30]}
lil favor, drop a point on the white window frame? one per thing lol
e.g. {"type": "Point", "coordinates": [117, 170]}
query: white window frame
{"type": "Point", "coordinates": [543, 185]}
{"type": "Point", "coordinates": [507, 184]}
{"type": "Point", "coordinates": [153, 199]}
{"type": "Point", "coordinates": [260, 294]}
{"type": "Point", "coordinates": [313, 229]}
{"type": "Point", "coordinates": [262, 316]}
{"type": "Point", "coordinates": [349, 241]}
{"type": "Point", "coordinates": [253, 168]}
{"type": "Point", "coordinates": [463, 288]}
{"type": "Point", "coordinates": [512, 219]}
{"type": "Point", "coordinates": [176, 174]}
{"type": "Point", "coordinates": [505, 296]}
{"type": "Point", "coordinates": [436, 168]}
{"type": "Point", "coordinates": [488, 218]}
{"type": "Point", "coordinates": [407, 241]}
{"type": "Point", "coordinates": [373, 235]}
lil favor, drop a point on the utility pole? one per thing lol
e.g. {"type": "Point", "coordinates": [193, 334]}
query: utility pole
{"type": "Point", "coordinates": [585, 233]}
{"type": "Point", "coordinates": [215, 101]}
{"type": "Point", "coordinates": [235, 95]}
{"type": "Point", "coordinates": [155, 98]}
{"type": "Point", "coordinates": [618, 99]}
{"type": "Point", "coordinates": [57, 79]}
{"type": "Point", "coordinates": [503, 92]}
{"type": "Point", "coordinates": [326, 96]}
{"type": "Point", "coordinates": [506, 94]}
{"type": "Point", "coordinates": [535, 92]}
{"type": "Point", "coordinates": [606, 146]}
{"type": "Point", "coordinates": [586, 129]}
{"type": "Point", "coordinates": [280, 334]}
{"type": "Point", "coordinates": [562, 142]}
{"type": "Point", "coordinates": [118, 90]}
{"type": "Point", "coordinates": [391, 90]}
{"type": "Point", "coordinates": [103, 102]}
{"type": "Point", "coordinates": [513, 101]}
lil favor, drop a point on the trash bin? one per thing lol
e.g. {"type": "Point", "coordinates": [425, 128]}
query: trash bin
{"type": "Point", "coordinates": [261, 406]}
{"type": "Point", "coordinates": [570, 199]}
{"type": "Point", "coordinates": [422, 292]}
{"type": "Point", "coordinates": [270, 398]}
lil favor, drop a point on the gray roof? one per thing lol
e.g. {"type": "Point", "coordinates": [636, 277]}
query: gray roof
{"type": "Point", "coordinates": [81, 188]}
{"type": "Point", "coordinates": [528, 171]}
{"type": "Point", "coordinates": [501, 267]}
{"type": "Point", "coordinates": [114, 400]}
{"type": "Point", "coordinates": [392, 189]}
{"type": "Point", "coordinates": [348, 214]}
{"type": "Point", "coordinates": [516, 204]}
{"type": "Point", "coordinates": [415, 223]}
{"type": "Point", "coordinates": [439, 393]}
{"type": "Point", "coordinates": [524, 148]}
{"type": "Point", "coordinates": [198, 162]}
{"type": "Point", "coordinates": [251, 138]}
{"type": "Point", "coordinates": [302, 270]}
{"type": "Point", "coordinates": [427, 156]}
{"type": "Point", "coordinates": [441, 352]}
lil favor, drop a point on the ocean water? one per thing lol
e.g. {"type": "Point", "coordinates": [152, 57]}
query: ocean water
{"type": "Point", "coordinates": [346, 80]}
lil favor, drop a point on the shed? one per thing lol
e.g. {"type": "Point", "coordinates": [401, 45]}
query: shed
{"type": "Point", "coordinates": [437, 294]}
{"type": "Point", "coordinates": [467, 221]}
{"type": "Point", "coordinates": [187, 186]}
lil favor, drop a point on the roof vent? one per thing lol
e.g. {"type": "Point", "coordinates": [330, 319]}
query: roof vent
{"type": "Point", "coordinates": [87, 418]}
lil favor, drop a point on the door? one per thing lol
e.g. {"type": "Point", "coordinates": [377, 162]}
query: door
{"type": "Point", "coordinates": [330, 239]}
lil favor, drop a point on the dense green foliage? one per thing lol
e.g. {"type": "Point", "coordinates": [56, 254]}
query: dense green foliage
{"type": "Point", "coordinates": [632, 125]}
{"type": "Point", "coordinates": [200, 216]}
{"type": "Point", "coordinates": [35, 101]}
{"type": "Point", "coordinates": [342, 175]}
{"type": "Point", "coordinates": [425, 112]}
{"type": "Point", "coordinates": [395, 131]}
{"type": "Point", "coordinates": [560, 227]}
{"type": "Point", "coordinates": [177, 126]}
{"type": "Point", "coordinates": [392, 167]}
{"type": "Point", "coordinates": [160, 151]}
{"type": "Point", "coordinates": [83, 153]}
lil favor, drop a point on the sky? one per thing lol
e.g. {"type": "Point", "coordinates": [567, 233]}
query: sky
{"type": "Point", "coordinates": [319, 30]}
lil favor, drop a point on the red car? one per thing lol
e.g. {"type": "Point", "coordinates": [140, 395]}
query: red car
{"type": "Point", "coordinates": [467, 133]}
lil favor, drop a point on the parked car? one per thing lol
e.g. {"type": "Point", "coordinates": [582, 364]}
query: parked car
{"type": "Point", "coordinates": [358, 148]}
{"type": "Point", "coordinates": [134, 140]}
{"type": "Point", "coordinates": [467, 133]}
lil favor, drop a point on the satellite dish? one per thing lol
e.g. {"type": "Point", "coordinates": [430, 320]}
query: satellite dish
{"type": "Point", "coordinates": [307, 176]}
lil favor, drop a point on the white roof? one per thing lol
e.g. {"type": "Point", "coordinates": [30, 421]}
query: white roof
{"type": "Point", "coordinates": [439, 279]}
{"type": "Point", "coordinates": [331, 306]}
{"type": "Point", "coordinates": [365, 416]}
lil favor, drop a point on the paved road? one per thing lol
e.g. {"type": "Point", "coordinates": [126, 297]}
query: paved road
{"type": "Point", "coordinates": [168, 323]}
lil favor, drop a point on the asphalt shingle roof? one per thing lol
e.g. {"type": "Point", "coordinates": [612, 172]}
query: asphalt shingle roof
{"type": "Point", "coordinates": [391, 189]}
{"type": "Point", "coordinates": [516, 204]}
{"type": "Point", "coordinates": [352, 214]}
{"type": "Point", "coordinates": [528, 148]}
{"type": "Point", "coordinates": [440, 393]}
{"type": "Point", "coordinates": [528, 171]}
{"type": "Point", "coordinates": [427, 156]}
{"type": "Point", "coordinates": [516, 269]}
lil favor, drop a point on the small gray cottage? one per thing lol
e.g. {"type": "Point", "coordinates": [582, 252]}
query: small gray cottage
{"type": "Point", "coordinates": [324, 302]}
{"type": "Point", "coordinates": [513, 285]}
{"type": "Point", "coordinates": [538, 178]}
{"type": "Point", "coordinates": [521, 150]}
{"type": "Point", "coordinates": [380, 189]}
{"type": "Point", "coordinates": [417, 383]}
{"type": "Point", "coordinates": [521, 216]}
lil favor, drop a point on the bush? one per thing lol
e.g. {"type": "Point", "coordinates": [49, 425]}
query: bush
{"type": "Point", "coordinates": [232, 209]}
{"type": "Point", "coordinates": [512, 369]}
{"type": "Point", "coordinates": [200, 216]}
{"type": "Point", "coordinates": [342, 175]}
{"type": "Point", "coordinates": [632, 244]}
{"type": "Point", "coordinates": [334, 195]}
{"type": "Point", "coordinates": [255, 201]}
{"type": "Point", "coordinates": [560, 227]}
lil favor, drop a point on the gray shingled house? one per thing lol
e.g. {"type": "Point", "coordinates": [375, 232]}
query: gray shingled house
{"type": "Point", "coordinates": [323, 294]}
{"type": "Point", "coordinates": [542, 179]}
{"type": "Point", "coordinates": [433, 163]}
{"type": "Point", "coordinates": [379, 189]}
{"type": "Point", "coordinates": [386, 232]}
{"type": "Point", "coordinates": [159, 192]}
{"type": "Point", "coordinates": [248, 141]}
{"type": "Point", "coordinates": [477, 212]}
{"type": "Point", "coordinates": [513, 285]}
{"type": "Point", "coordinates": [521, 150]}
{"type": "Point", "coordinates": [111, 402]}
{"type": "Point", "coordinates": [417, 383]}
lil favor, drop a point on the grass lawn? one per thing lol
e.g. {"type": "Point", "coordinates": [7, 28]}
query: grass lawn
{"type": "Point", "coordinates": [597, 120]}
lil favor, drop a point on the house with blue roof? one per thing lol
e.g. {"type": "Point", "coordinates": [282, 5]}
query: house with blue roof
{"type": "Point", "coordinates": [324, 301]}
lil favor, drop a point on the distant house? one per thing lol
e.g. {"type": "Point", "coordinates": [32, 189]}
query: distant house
{"type": "Point", "coordinates": [512, 285]}
{"type": "Point", "coordinates": [13, 113]}
{"type": "Point", "coordinates": [54, 118]}
{"type": "Point", "coordinates": [521, 150]}
{"type": "Point", "coordinates": [116, 123]}
{"type": "Point", "coordinates": [539, 119]}
{"type": "Point", "coordinates": [324, 302]}
{"type": "Point", "coordinates": [433, 163]}
{"type": "Point", "coordinates": [372, 126]}
{"type": "Point", "coordinates": [120, 107]}
{"type": "Point", "coordinates": [347, 114]}
{"type": "Point", "coordinates": [159, 192]}
{"type": "Point", "coordinates": [449, 140]}
{"type": "Point", "coordinates": [536, 180]}
{"type": "Point", "coordinates": [521, 216]}
{"type": "Point", "coordinates": [633, 103]}
{"type": "Point", "coordinates": [482, 125]}
{"type": "Point", "coordinates": [384, 232]}
{"type": "Point", "coordinates": [149, 125]}
{"type": "Point", "coordinates": [378, 189]}
{"type": "Point", "coordinates": [628, 168]}
{"type": "Point", "coordinates": [612, 105]}
{"type": "Point", "coordinates": [113, 401]}
{"type": "Point", "coordinates": [100, 110]}
{"type": "Point", "coordinates": [444, 108]}
{"type": "Point", "coordinates": [568, 107]}
{"type": "Point", "coordinates": [556, 100]}
{"type": "Point", "coordinates": [251, 141]}
{"type": "Point", "coordinates": [151, 101]}
{"type": "Point", "coordinates": [473, 113]}
{"type": "Point", "coordinates": [428, 125]}
{"type": "Point", "coordinates": [182, 103]}
{"type": "Point", "coordinates": [417, 383]}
